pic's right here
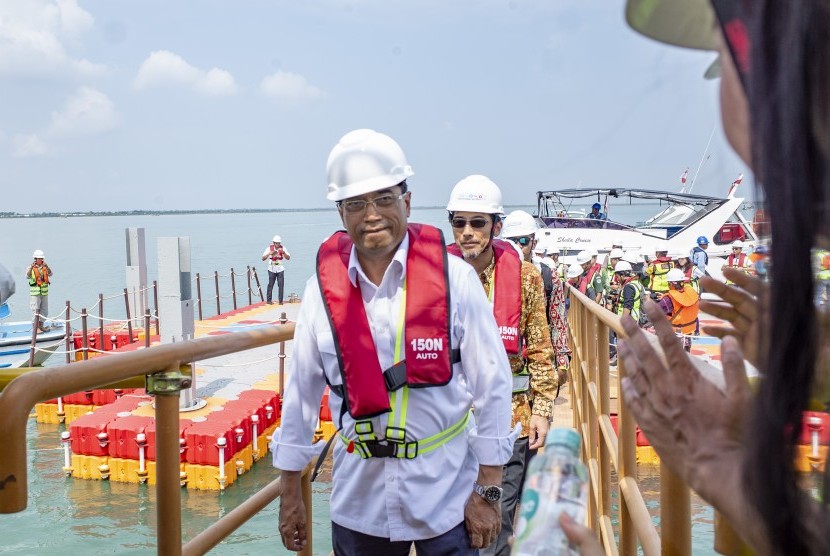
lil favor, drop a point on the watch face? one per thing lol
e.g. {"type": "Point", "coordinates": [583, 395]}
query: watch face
{"type": "Point", "coordinates": [492, 494]}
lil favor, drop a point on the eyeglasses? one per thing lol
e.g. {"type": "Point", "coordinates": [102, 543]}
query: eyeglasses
{"type": "Point", "coordinates": [475, 223]}
{"type": "Point", "coordinates": [355, 206]}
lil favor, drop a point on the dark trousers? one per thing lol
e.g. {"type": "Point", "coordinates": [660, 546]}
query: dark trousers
{"type": "Point", "coordinates": [347, 542]}
{"type": "Point", "coordinates": [280, 280]}
{"type": "Point", "coordinates": [512, 478]}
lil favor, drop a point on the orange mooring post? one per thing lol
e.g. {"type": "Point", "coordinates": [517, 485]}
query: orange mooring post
{"type": "Point", "coordinates": [233, 289]}
{"type": "Point", "coordinates": [199, 294]}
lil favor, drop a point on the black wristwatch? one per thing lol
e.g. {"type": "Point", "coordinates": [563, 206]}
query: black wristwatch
{"type": "Point", "coordinates": [490, 493]}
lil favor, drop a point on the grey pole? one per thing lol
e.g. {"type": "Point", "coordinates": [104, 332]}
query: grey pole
{"type": "Point", "coordinates": [176, 303]}
{"type": "Point", "coordinates": [137, 270]}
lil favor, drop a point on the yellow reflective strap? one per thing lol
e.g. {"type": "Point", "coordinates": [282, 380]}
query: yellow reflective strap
{"type": "Point", "coordinates": [398, 400]}
{"type": "Point", "coordinates": [430, 443]}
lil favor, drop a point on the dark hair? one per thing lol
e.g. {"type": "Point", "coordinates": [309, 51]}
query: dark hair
{"type": "Point", "coordinates": [789, 99]}
{"type": "Point", "coordinates": [403, 186]}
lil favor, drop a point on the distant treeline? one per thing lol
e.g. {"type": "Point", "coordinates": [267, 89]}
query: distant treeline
{"type": "Point", "coordinates": [140, 212]}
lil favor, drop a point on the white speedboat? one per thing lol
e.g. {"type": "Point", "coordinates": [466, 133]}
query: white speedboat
{"type": "Point", "coordinates": [641, 221]}
{"type": "Point", "coordinates": [16, 342]}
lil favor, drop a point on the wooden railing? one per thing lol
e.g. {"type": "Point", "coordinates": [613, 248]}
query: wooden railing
{"type": "Point", "coordinates": [166, 368]}
{"type": "Point", "coordinates": [606, 452]}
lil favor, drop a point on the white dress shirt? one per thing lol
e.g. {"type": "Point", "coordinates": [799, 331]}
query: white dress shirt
{"type": "Point", "coordinates": [275, 266]}
{"type": "Point", "coordinates": [402, 499]}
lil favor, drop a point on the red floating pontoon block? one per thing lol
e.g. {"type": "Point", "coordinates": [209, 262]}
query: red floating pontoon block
{"type": "Point", "coordinates": [103, 397]}
{"type": "Point", "coordinates": [184, 424]}
{"type": "Point", "coordinates": [268, 398]}
{"type": "Point", "coordinates": [251, 407]}
{"type": "Point", "coordinates": [85, 433]}
{"type": "Point", "coordinates": [122, 434]}
{"type": "Point", "coordinates": [240, 421]}
{"type": "Point", "coordinates": [815, 421]}
{"type": "Point", "coordinates": [79, 398]}
{"type": "Point", "coordinates": [201, 440]}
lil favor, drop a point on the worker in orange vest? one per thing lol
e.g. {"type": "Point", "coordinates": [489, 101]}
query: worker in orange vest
{"type": "Point", "coordinates": [682, 305]}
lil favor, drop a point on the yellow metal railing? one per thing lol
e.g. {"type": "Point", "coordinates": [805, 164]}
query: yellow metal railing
{"type": "Point", "coordinates": [167, 368]}
{"type": "Point", "coordinates": [605, 451]}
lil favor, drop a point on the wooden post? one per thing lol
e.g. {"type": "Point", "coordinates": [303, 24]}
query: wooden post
{"type": "Point", "coordinates": [216, 281]}
{"type": "Point", "coordinates": [85, 333]}
{"type": "Point", "coordinates": [67, 329]}
{"type": "Point", "coordinates": [156, 304]}
{"type": "Point", "coordinates": [283, 320]}
{"type": "Point", "coordinates": [147, 327]}
{"type": "Point", "coordinates": [675, 514]}
{"type": "Point", "coordinates": [35, 329]}
{"type": "Point", "coordinates": [129, 315]}
{"type": "Point", "coordinates": [233, 289]}
{"type": "Point", "coordinates": [258, 287]}
{"type": "Point", "coordinates": [627, 460]}
{"type": "Point", "coordinates": [101, 320]}
{"type": "Point", "coordinates": [250, 297]}
{"type": "Point", "coordinates": [199, 294]}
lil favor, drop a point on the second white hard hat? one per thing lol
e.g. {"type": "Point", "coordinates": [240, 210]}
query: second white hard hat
{"type": "Point", "coordinates": [38, 254]}
{"type": "Point", "coordinates": [616, 253]}
{"type": "Point", "coordinates": [364, 161]}
{"type": "Point", "coordinates": [476, 193]}
{"type": "Point", "coordinates": [277, 239]}
{"type": "Point", "coordinates": [574, 270]}
{"type": "Point", "coordinates": [518, 224]}
{"type": "Point", "coordinates": [622, 266]}
{"type": "Point", "coordinates": [583, 257]}
{"type": "Point", "coordinates": [675, 275]}
{"type": "Point", "coordinates": [737, 243]}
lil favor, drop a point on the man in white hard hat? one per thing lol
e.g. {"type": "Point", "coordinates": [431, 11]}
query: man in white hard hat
{"type": "Point", "coordinates": [39, 276]}
{"type": "Point", "coordinates": [515, 289]}
{"type": "Point", "coordinates": [275, 253]}
{"type": "Point", "coordinates": [407, 342]}
{"type": "Point", "coordinates": [681, 305]}
{"type": "Point", "coordinates": [590, 282]}
{"type": "Point", "coordinates": [737, 259]}
{"type": "Point", "coordinates": [610, 285]}
{"type": "Point", "coordinates": [631, 291]}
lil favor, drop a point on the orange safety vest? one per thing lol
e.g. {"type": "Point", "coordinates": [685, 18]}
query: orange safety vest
{"type": "Point", "coordinates": [685, 308]}
{"type": "Point", "coordinates": [40, 275]}
{"type": "Point", "coordinates": [428, 354]}
{"type": "Point", "coordinates": [507, 295]}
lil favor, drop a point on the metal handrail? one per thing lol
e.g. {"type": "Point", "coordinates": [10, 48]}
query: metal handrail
{"type": "Point", "coordinates": [604, 450]}
{"type": "Point", "coordinates": [20, 395]}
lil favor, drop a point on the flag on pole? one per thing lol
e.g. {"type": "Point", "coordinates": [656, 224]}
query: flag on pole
{"type": "Point", "coordinates": [735, 185]}
{"type": "Point", "coordinates": [683, 180]}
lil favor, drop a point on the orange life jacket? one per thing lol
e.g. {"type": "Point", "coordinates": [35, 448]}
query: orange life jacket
{"type": "Point", "coordinates": [40, 275]}
{"type": "Point", "coordinates": [428, 353]}
{"type": "Point", "coordinates": [507, 296]}
{"type": "Point", "coordinates": [685, 308]}
{"type": "Point", "coordinates": [277, 256]}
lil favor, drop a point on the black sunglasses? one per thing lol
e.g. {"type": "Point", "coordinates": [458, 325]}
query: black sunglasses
{"type": "Point", "coordinates": [524, 240]}
{"type": "Point", "coordinates": [461, 223]}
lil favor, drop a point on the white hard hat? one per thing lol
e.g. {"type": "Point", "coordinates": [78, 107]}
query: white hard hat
{"type": "Point", "coordinates": [622, 266]}
{"type": "Point", "coordinates": [583, 257]}
{"type": "Point", "coordinates": [574, 270]}
{"type": "Point", "coordinates": [615, 253]}
{"type": "Point", "coordinates": [277, 239]}
{"type": "Point", "coordinates": [678, 253]}
{"type": "Point", "coordinates": [38, 254]}
{"type": "Point", "coordinates": [540, 248]}
{"type": "Point", "coordinates": [553, 250]}
{"type": "Point", "coordinates": [364, 161]}
{"type": "Point", "coordinates": [476, 193]}
{"type": "Point", "coordinates": [738, 243]}
{"type": "Point", "coordinates": [518, 224]}
{"type": "Point", "coordinates": [675, 275]}
{"type": "Point", "coordinates": [632, 257]}
{"type": "Point", "coordinates": [593, 253]}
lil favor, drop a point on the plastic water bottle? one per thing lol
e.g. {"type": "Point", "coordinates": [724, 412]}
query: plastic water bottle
{"type": "Point", "coordinates": [557, 481]}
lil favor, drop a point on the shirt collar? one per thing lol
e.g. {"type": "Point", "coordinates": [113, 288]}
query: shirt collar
{"type": "Point", "coordinates": [398, 263]}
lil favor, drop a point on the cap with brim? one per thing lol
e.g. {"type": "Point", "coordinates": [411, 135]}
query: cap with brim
{"type": "Point", "coordinates": [686, 23]}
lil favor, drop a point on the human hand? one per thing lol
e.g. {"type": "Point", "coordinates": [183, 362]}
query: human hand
{"type": "Point", "coordinates": [292, 517]}
{"type": "Point", "coordinates": [538, 431]}
{"type": "Point", "coordinates": [693, 425]}
{"type": "Point", "coordinates": [483, 521]}
{"type": "Point", "coordinates": [580, 536]}
{"type": "Point", "coordinates": [739, 308]}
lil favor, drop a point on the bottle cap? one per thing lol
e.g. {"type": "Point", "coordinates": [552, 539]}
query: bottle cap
{"type": "Point", "coordinates": [564, 436]}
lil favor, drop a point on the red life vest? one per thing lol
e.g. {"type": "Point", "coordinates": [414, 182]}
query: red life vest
{"type": "Point", "coordinates": [588, 277]}
{"type": "Point", "coordinates": [426, 329]}
{"type": "Point", "coordinates": [730, 261]}
{"type": "Point", "coordinates": [277, 254]}
{"type": "Point", "coordinates": [507, 297]}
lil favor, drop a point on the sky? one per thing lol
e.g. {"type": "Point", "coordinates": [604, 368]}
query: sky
{"type": "Point", "coordinates": [205, 104]}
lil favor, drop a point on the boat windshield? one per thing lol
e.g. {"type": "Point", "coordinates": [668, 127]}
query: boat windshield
{"type": "Point", "coordinates": [624, 209]}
